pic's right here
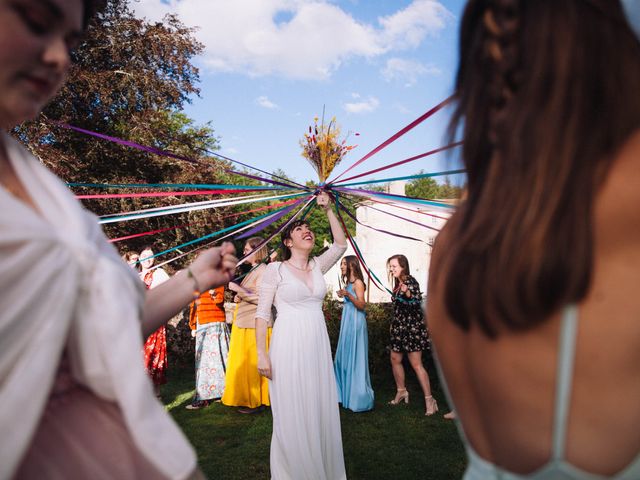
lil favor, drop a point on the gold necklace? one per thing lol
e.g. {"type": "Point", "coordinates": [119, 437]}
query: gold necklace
{"type": "Point", "coordinates": [306, 269]}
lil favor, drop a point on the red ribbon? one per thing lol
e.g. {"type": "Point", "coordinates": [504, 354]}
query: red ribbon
{"type": "Point", "coordinates": [396, 136]}
{"type": "Point", "coordinates": [402, 162]}
{"type": "Point", "coordinates": [152, 232]}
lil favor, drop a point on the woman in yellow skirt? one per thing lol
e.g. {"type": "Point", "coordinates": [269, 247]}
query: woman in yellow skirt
{"type": "Point", "coordinates": [244, 387]}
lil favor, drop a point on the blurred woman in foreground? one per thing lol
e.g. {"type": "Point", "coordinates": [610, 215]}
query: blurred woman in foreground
{"type": "Point", "coordinates": [533, 305]}
{"type": "Point", "coordinates": [76, 402]}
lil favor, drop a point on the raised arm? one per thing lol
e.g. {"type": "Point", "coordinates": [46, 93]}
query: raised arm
{"type": "Point", "coordinates": [339, 246]}
{"type": "Point", "coordinates": [324, 202]}
{"type": "Point", "coordinates": [212, 268]}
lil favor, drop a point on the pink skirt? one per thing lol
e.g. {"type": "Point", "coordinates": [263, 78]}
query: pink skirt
{"type": "Point", "coordinates": [82, 436]}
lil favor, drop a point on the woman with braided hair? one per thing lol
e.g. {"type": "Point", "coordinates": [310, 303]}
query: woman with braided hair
{"type": "Point", "coordinates": [532, 308]}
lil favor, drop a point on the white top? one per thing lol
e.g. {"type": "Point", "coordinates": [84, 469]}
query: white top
{"type": "Point", "coordinates": [62, 285]}
{"type": "Point", "coordinates": [271, 277]}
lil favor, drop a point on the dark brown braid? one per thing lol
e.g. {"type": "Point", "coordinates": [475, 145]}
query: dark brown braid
{"type": "Point", "coordinates": [501, 22]}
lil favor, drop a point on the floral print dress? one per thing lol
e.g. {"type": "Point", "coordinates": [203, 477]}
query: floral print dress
{"type": "Point", "coordinates": [407, 330]}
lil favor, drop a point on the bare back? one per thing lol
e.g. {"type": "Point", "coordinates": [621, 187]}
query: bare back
{"type": "Point", "coordinates": [504, 389]}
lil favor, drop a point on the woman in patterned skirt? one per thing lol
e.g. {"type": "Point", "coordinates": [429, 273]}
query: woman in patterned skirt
{"type": "Point", "coordinates": [408, 332]}
{"type": "Point", "coordinates": [207, 320]}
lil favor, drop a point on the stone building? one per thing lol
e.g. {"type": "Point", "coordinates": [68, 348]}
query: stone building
{"type": "Point", "coordinates": [377, 247]}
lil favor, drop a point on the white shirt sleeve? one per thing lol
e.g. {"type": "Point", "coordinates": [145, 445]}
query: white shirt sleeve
{"type": "Point", "coordinates": [267, 291]}
{"type": "Point", "coordinates": [329, 258]}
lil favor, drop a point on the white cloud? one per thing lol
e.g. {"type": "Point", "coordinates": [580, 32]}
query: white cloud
{"type": "Point", "coordinates": [231, 151]}
{"type": "Point", "coordinates": [408, 28]}
{"type": "Point", "coordinates": [264, 102]}
{"type": "Point", "coordinates": [367, 106]}
{"type": "Point", "coordinates": [317, 36]}
{"type": "Point", "coordinates": [407, 71]}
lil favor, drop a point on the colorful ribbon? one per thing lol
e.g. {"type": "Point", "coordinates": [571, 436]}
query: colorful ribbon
{"type": "Point", "coordinates": [402, 162]}
{"type": "Point", "coordinates": [407, 177]}
{"type": "Point", "coordinates": [182, 209]}
{"type": "Point", "coordinates": [157, 194]}
{"type": "Point", "coordinates": [396, 136]}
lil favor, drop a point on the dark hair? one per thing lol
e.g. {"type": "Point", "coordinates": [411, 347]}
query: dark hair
{"type": "Point", "coordinates": [353, 268]}
{"type": "Point", "coordinates": [90, 9]}
{"type": "Point", "coordinates": [148, 246]}
{"type": "Point", "coordinates": [404, 264]}
{"type": "Point", "coordinates": [547, 92]}
{"type": "Point", "coordinates": [286, 235]}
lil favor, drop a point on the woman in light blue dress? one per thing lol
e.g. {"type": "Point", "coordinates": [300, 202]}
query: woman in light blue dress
{"type": "Point", "coordinates": [352, 355]}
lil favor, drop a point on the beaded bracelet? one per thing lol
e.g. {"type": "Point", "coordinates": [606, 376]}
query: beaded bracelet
{"type": "Point", "coordinates": [196, 286]}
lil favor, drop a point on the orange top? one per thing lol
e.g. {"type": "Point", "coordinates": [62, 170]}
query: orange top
{"type": "Point", "coordinates": [211, 308]}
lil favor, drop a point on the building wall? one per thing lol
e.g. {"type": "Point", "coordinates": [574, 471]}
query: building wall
{"type": "Point", "coordinates": [377, 247]}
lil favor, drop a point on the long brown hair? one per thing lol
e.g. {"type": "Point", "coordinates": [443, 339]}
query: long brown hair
{"type": "Point", "coordinates": [546, 92]}
{"type": "Point", "coordinates": [404, 264]}
{"type": "Point", "coordinates": [353, 269]}
{"type": "Point", "coordinates": [261, 253]}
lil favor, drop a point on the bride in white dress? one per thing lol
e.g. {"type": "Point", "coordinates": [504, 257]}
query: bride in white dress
{"type": "Point", "coordinates": [306, 442]}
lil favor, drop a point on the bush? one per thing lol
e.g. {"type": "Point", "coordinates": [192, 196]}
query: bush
{"type": "Point", "coordinates": [378, 318]}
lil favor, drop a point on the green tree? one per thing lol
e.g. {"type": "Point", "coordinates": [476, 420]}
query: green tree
{"type": "Point", "coordinates": [423, 187]}
{"type": "Point", "coordinates": [130, 79]}
{"type": "Point", "coordinates": [429, 188]}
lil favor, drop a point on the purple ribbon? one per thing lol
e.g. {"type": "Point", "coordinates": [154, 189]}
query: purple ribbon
{"type": "Point", "coordinates": [278, 230]}
{"type": "Point", "coordinates": [165, 153]}
{"type": "Point", "coordinates": [400, 217]}
{"type": "Point", "coordinates": [127, 143]}
{"type": "Point", "coordinates": [344, 209]}
{"type": "Point", "coordinates": [270, 220]}
{"type": "Point", "coordinates": [262, 179]}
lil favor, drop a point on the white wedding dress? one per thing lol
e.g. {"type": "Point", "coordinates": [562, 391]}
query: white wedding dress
{"type": "Point", "coordinates": [306, 442]}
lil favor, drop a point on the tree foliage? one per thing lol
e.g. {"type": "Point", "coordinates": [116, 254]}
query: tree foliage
{"type": "Point", "coordinates": [429, 188]}
{"type": "Point", "coordinates": [130, 79]}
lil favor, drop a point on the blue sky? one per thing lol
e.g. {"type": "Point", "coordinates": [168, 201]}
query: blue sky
{"type": "Point", "coordinates": [270, 66]}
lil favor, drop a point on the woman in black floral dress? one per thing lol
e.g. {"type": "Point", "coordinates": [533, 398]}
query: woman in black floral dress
{"type": "Point", "coordinates": [408, 332]}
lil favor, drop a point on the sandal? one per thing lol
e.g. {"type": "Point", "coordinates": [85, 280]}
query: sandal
{"type": "Point", "coordinates": [198, 404]}
{"type": "Point", "coordinates": [401, 395]}
{"type": "Point", "coordinates": [431, 405]}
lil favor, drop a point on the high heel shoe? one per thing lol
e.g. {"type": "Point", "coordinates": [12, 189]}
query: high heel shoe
{"type": "Point", "coordinates": [431, 405]}
{"type": "Point", "coordinates": [401, 394]}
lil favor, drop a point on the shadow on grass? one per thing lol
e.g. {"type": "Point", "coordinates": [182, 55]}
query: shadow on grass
{"type": "Point", "coordinates": [386, 443]}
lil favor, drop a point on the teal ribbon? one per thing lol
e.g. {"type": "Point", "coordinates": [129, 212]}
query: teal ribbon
{"type": "Point", "coordinates": [215, 234]}
{"type": "Point", "coordinates": [169, 211]}
{"type": "Point", "coordinates": [408, 177]}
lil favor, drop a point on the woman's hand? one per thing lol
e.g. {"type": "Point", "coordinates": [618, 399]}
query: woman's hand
{"type": "Point", "coordinates": [237, 298]}
{"type": "Point", "coordinates": [403, 287]}
{"type": "Point", "coordinates": [323, 200]}
{"type": "Point", "coordinates": [233, 286]}
{"type": "Point", "coordinates": [264, 366]}
{"type": "Point", "coordinates": [215, 267]}
{"type": "Point", "coordinates": [341, 293]}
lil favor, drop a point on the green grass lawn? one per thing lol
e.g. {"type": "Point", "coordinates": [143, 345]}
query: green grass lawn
{"type": "Point", "coordinates": [390, 442]}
